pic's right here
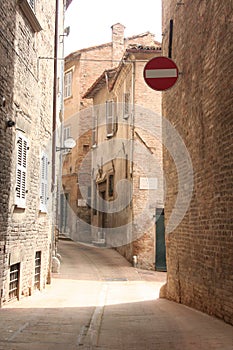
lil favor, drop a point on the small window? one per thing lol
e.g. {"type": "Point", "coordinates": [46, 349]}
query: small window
{"type": "Point", "coordinates": [14, 281]}
{"type": "Point", "coordinates": [126, 107]}
{"type": "Point", "coordinates": [85, 148]}
{"type": "Point", "coordinates": [44, 183]}
{"type": "Point", "coordinates": [68, 84]}
{"type": "Point", "coordinates": [111, 118]}
{"type": "Point", "coordinates": [37, 270]}
{"type": "Point", "coordinates": [21, 170]}
{"type": "Point", "coordinates": [110, 185]}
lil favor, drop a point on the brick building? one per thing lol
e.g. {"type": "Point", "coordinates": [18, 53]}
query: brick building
{"type": "Point", "coordinates": [200, 249]}
{"type": "Point", "coordinates": [82, 68]}
{"type": "Point", "coordinates": [26, 126]}
{"type": "Point", "coordinates": [127, 178]}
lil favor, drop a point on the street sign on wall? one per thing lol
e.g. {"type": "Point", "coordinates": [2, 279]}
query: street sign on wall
{"type": "Point", "coordinates": [160, 73]}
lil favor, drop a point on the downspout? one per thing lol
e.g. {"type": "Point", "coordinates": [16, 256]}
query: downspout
{"type": "Point", "coordinates": [54, 125]}
{"type": "Point", "coordinates": [132, 117]}
{"type": "Point", "coordinates": [132, 139]}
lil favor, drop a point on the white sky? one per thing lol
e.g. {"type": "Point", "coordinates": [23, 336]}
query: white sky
{"type": "Point", "coordinates": [90, 21]}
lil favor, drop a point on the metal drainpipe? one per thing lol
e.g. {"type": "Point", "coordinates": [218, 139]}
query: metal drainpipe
{"type": "Point", "coordinates": [54, 125]}
{"type": "Point", "coordinates": [132, 134]}
{"type": "Point", "coordinates": [132, 117]}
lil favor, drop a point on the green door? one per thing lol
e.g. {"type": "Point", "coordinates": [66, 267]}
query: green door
{"type": "Point", "coordinates": [160, 261]}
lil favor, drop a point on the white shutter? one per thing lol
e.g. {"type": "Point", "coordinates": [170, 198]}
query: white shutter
{"type": "Point", "coordinates": [21, 170]}
{"type": "Point", "coordinates": [44, 182]}
{"type": "Point", "coordinates": [110, 118]}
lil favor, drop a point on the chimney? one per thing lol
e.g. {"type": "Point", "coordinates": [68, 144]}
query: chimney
{"type": "Point", "coordinates": [117, 43]}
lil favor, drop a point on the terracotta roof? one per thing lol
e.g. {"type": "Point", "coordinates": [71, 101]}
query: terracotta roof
{"type": "Point", "coordinates": [104, 78]}
{"type": "Point", "coordinates": [109, 44]}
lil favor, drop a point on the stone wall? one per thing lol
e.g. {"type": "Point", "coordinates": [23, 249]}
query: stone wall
{"type": "Point", "coordinates": [7, 59]}
{"type": "Point", "coordinates": [200, 249]}
{"type": "Point", "coordinates": [27, 83]}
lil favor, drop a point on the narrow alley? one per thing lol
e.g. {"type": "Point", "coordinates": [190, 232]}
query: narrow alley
{"type": "Point", "coordinates": [99, 301]}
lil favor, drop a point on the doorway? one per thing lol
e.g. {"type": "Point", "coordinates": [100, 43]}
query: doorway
{"type": "Point", "coordinates": [160, 249]}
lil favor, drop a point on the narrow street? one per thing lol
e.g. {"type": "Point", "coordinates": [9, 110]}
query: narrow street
{"type": "Point", "coordinates": [99, 301]}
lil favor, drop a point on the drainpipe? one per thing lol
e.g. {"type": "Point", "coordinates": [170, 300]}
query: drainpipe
{"type": "Point", "coordinates": [132, 117]}
{"type": "Point", "coordinates": [54, 125]}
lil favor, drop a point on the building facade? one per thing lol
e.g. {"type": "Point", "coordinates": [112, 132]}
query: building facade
{"type": "Point", "coordinates": [82, 68]}
{"type": "Point", "coordinates": [27, 40]}
{"type": "Point", "coordinates": [200, 248]}
{"type": "Point", "coordinates": [127, 178]}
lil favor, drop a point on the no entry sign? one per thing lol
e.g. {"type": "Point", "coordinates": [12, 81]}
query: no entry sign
{"type": "Point", "coordinates": [160, 73]}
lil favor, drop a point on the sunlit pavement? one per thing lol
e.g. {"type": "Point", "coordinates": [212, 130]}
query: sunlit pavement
{"type": "Point", "coordinates": [99, 301]}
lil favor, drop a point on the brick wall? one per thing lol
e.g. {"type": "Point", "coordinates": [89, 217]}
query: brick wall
{"type": "Point", "coordinates": [200, 249]}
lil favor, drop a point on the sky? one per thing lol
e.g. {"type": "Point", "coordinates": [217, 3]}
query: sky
{"type": "Point", "coordinates": [90, 21]}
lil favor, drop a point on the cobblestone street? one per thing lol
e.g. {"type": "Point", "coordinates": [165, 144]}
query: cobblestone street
{"type": "Point", "coordinates": [98, 301]}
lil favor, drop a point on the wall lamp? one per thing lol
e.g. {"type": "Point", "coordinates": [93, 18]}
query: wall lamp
{"type": "Point", "coordinates": [69, 144]}
{"type": "Point", "coordinates": [65, 33]}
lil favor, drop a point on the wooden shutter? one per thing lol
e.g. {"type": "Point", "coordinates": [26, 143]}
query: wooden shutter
{"type": "Point", "coordinates": [44, 183]}
{"type": "Point", "coordinates": [126, 108]}
{"type": "Point", "coordinates": [21, 170]}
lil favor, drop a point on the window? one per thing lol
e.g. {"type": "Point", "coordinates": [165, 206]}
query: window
{"type": "Point", "coordinates": [21, 170]}
{"type": "Point", "coordinates": [111, 118]}
{"type": "Point", "coordinates": [32, 4]}
{"type": "Point", "coordinates": [14, 281]}
{"type": "Point", "coordinates": [44, 183]}
{"type": "Point", "coordinates": [126, 105]}
{"type": "Point", "coordinates": [28, 7]}
{"type": "Point", "coordinates": [110, 185]}
{"type": "Point", "coordinates": [94, 129]}
{"type": "Point", "coordinates": [68, 84]}
{"type": "Point", "coordinates": [89, 196]}
{"type": "Point", "coordinates": [66, 133]}
{"type": "Point", "coordinates": [37, 270]}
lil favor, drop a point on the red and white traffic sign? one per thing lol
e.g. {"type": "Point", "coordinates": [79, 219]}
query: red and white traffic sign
{"type": "Point", "coordinates": [160, 73]}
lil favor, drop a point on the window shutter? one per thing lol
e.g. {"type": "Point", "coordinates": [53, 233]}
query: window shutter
{"type": "Point", "coordinates": [110, 118]}
{"type": "Point", "coordinates": [94, 128]}
{"type": "Point", "coordinates": [68, 84]}
{"type": "Point", "coordinates": [44, 183]}
{"type": "Point", "coordinates": [32, 4]}
{"type": "Point", "coordinates": [21, 170]}
{"type": "Point", "coordinates": [126, 107]}
{"type": "Point", "coordinates": [66, 133]}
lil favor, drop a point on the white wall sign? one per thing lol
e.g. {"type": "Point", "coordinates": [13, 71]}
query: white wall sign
{"type": "Point", "coordinates": [150, 183]}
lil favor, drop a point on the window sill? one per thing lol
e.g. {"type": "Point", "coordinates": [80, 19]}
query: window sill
{"type": "Point", "coordinates": [29, 13]}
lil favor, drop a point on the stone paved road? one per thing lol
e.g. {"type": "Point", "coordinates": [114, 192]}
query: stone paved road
{"type": "Point", "coordinates": [98, 301]}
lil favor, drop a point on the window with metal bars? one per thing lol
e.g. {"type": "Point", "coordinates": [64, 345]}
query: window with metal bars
{"type": "Point", "coordinates": [14, 281]}
{"type": "Point", "coordinates": [37, 270]}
